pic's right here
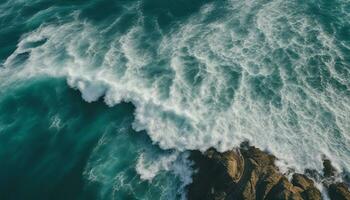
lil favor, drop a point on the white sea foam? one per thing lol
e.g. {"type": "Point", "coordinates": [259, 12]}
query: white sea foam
{"type": "Point", "coordinates": [176, 163]}
{"type": "Point", "coordinates": [254, 74]}
{"type": "Point", "coordinates": [148, 168]}
{"type": "Point", "coordinates": [56, 122]}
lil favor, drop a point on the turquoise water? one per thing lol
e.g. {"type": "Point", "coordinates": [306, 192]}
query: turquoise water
{"type": "Point", "coordinates": [102, 99]}
{"type": "Point", "coordinates": [51, 148]}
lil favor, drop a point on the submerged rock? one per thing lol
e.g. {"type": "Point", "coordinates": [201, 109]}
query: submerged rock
{"type": "Point", "coordinates": [328, 169]}
{"type": "Point", "coordinates": [250, 174]}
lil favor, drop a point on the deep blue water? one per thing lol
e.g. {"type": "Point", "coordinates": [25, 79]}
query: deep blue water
{"type": "Point", "coordinates": [102, 99]}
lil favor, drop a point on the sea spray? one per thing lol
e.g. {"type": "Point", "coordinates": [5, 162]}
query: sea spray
{"type": "Point", "coordinates": [215, 74]}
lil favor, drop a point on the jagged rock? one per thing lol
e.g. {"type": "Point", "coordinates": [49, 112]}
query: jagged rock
{"type": "Point", "coordinates": [336, 190]}
{"type": "Point", "coordinates": [284, 190]}
{"type": "Point", "coordinates": [218, 172]}
{"type": "Point", "coordinates": [339, 191]}
{"type": "Point", "coordinates": [260, 175]}
{"type": "Point", "coordinates": [231, 161]}
{"type": "Point", "coordinates": [302, 181]}
{"type": "Point", "coordinates": [311, 194]}
{"type": "Point", "coordinates": [309, 191]}
{"type": "Point", "coordinates": [266, 183]}
{"type": "Point", "coordinates": [250, 174]}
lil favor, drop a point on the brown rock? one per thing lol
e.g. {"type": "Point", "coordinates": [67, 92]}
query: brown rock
{"type": "Point", "coordinates": [247, 174]}
{"type": "Point", "coordinates": [308, 189]}
{"type": "Point", "coordinates": [339, 191]}
{"type": "Point", "coordinates": [267, 182]}
{"type": "Point", "coordinates": [311, 194]}
{"type": "Point", "coordinates": [302, 181]}
{"type": "Point", "coordinates": [217, 174]}
{"type": "Point", "coordinates": [234, 164]}
{"type": "Point", "coordinates": [249, 189]}
{"type": "Point", "coordinates": [284, 190]}
{"type": "Point", "coordinates": [262, 159]}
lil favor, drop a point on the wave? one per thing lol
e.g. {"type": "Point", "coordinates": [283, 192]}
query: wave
{"type": "Point", "coordinates": [266, 71]}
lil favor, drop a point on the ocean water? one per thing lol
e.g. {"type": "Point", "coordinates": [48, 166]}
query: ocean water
{"type": "Point", "coordinates": [103, 99]}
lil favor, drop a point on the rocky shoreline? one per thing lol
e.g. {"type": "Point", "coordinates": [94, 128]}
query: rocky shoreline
{"type": "Point", "coordinates": [248, 173]}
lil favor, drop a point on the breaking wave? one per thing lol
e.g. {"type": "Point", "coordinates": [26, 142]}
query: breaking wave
{"type": "Point", "coordinates": [276, 73]}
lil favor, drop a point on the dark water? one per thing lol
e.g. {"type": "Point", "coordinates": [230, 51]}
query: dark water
{"type": "Point", "coordinates": [102, 99]}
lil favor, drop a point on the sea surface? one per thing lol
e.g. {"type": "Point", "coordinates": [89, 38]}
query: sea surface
{"type": "Point", "coordinates": [103, 99]}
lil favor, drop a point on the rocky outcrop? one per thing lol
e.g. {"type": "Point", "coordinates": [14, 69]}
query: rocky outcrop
{"type": "Point", "coordinates": [250, 174]}
{"type": "Point", "coordinates": [336, 190]}
{"type": "Point", "coordinates": [217, 174]}
{"type": "Point", "coordinates": [339, 191]}
{"type": "Point", "coordinates": [309, 191]}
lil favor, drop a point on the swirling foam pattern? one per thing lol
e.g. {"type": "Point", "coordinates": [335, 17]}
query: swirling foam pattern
{"type": "Point", "coordinates": [200, 74]}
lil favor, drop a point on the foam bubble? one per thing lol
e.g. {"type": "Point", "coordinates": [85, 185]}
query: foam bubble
{"type": "Point", "coordinates": [262, 71]}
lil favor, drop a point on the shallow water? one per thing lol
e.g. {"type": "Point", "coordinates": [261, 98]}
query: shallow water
{"type": "Point", "coordinates": [156, 78]}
